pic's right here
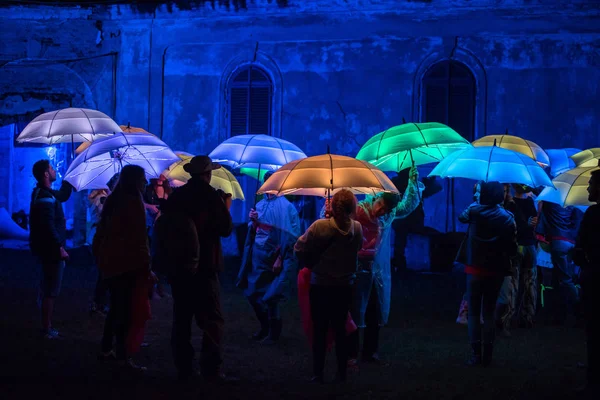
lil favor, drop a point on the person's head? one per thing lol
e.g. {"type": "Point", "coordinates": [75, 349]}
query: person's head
{"type": "Point", "coordinates": [594, 187]}
{"type": "Point", "coordinates": [43, 172]}
{"type": "Point", "coordinates": [267, 176]}
{"type": "Point", "coordinates": [507, 192]}
{"type": "Point", "coordinates": [201, 167]}
{"type": "Point", "coordinates": [491, 193]}
{"type": "Point", "coordinates": [343, 205]}
{"type": "Point", "coordinates": [384, 204]}
{"type": "Point", "coordinates": [132, 179]}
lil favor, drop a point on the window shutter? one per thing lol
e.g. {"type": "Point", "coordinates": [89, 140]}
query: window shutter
{"type": "Point", "coordinates": [239, 110]}
{"type": "Point", "coordinates": [260, 107]}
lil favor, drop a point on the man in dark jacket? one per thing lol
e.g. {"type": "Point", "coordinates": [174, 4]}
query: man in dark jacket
{"type": "Point", "coordinates": [587, 256]}
{"type": "Point", "coordinates": [47, 237]}
{"type": "Point", "coordinates": [559, 225]}
{"type": "Point", "coordinates": [198, 294]}
{"type": "Point", "coordinates": [486, 252]}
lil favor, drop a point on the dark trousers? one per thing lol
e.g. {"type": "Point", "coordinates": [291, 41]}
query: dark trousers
{"type": "Point", "coordinates": [482, 293]}
{"type": "Point", "coordinates": [590, 308]}
{"type": "Point", "coordinates": [329, 305]}
{"type": "Point", "coordinates": [118, 320]}
{"type": "Point", "coordinates": [197, 297]}
{"type": "Point", "coordinates": [100, 291]}
{"type": "Point", "coordinates": [370, 332]}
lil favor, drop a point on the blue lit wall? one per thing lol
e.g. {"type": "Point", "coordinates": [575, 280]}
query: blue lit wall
{"type": "Point", "coordinates": [343, 71]}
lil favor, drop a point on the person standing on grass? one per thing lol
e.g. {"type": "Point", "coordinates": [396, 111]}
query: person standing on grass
{"type": "Point", "coordinates": [47, 238]}
{"type": "Point", "coordinates": [486, 252]}
{"type": "Point", "coordinates": [122, 255]}
{"type": "Point", "coordinates": [587, 256]}
{"type": "Point", "coordinates": [330, 249]}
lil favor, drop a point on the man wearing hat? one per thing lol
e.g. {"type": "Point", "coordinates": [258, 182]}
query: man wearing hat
{"type": "Point", "coordinates": [196, 291]}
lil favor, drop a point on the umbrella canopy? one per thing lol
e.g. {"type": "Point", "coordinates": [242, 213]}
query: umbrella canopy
{"type": "Point", "coordinates": [570, 188]}
{"type": "Point", "coordinates": [587, 158]}
{"type": "Point", "coordinates": [428, 142]}
{"type": "Point", "coordinates": [69, 125]}
{"type": "Point", "coordinates": [515, 143]}
{"type": "Point", "coordinates": [221, 178]}
{"type": "Point", "coordinates": [125, 128]}
{"type": "Point", "coordinates": [314, 176]}
{"type": "Point", "coordinates": [256, 152]}
{"type": "Point", "coordinates": [560, 160]}
{"type": "Point", "coordinates": [492, 163]}
{"type": "Point", "coordinates": [93, 168]}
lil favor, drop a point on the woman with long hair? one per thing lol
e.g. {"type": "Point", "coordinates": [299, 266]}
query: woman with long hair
{"type": "Point", "coordinates": [123, 256]}
{"type": "Point", "coordinates": [330, 249]}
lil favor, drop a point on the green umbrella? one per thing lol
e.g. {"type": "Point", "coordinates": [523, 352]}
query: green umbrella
{"type": "Point", "coordinates": [410, 144]}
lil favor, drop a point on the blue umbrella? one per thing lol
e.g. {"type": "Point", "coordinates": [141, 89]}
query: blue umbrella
{"type": "Point", "coordinates": [560, 160]}
{"type": "Point", "coordinates": [492, 163]}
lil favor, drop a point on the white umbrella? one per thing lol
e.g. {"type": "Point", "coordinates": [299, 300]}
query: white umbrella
{"type": "Point", "coordinates": [515, 143]}
{"type": "Point", "coordinates": [256, 152]}
{"type": "Point", "coordinates": [325, 174]}
{"type": "Point", "coordinates": [93, 168]}
{"type": "Point", "coordinates": [492, 163]}
{"type": "Point", "coordinates": [571, 188]}
{"type": "Point", "coordinates": [69, 125]}
{"type": "Point", "coordinates": [587, 158]}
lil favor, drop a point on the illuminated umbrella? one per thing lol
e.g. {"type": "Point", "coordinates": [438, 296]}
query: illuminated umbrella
{"type": "Point", "coordinates": [128, 129]}
{"type": "Point", "coordinates": [492, 163]}
{"type": "Point", "coordinates": [515, 143]}
{"type": "Point", "coordinates": [93, 168]}
{"type": "Point", "coordinates": [560, 160]}
{"type": "Point", "coordinates": [587, 158]}
{"type": "Point", "coordinates": [402, 146]}
{"type": "Point", "coordinates": [570, 188]}
{"type": "Point", "coordinates": [221, 178]}
{"type": "Point", "coordinates": [69, 125]}
{"type": "Point", "coordinates": [260, 152]}
{"type": "Point", "coordinates": [325, 174]}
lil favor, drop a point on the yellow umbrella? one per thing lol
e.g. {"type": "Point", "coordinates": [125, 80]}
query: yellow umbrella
{"type": "Point", "coordinates": [587, 158]}
{"type": "Point", "coordinates": [571, 188]}
{"type": "Point", "coordinates": [221, 178]}
{"type": "Point", "coordinates": [515, 143]}
{"type": "Point", "coordinates": [325, 174]}
{"type": "Point", "coordinates": [127, 129]}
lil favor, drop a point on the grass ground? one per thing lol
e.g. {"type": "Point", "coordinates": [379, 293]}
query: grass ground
{"type": "Point", "coordinates": [425, 348]}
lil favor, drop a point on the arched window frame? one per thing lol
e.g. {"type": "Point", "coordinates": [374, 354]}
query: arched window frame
{"type": "Point", "coordinates": [268, 66]}
{"type": "Point", "coordinates": [466, 58]}
{"type": "Point", "coordinates": [258, 88]}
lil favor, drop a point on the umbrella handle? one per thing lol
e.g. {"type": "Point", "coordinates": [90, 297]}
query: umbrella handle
{"type": "Point", "coordinates": [413, 164]}
{"type": "Point", "coordinates": [257, 187]}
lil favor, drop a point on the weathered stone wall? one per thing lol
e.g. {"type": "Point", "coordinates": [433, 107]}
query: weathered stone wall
{"type": "Point", "coordinates": [343, 70]}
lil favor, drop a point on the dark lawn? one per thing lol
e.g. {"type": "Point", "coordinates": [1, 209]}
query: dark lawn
{"type": "Point", "coordinates": [425, 348]}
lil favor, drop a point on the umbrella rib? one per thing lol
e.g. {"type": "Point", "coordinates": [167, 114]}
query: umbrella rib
{"type": "Point", "coordinates": [148, 161]}
{"type": "Point", "coordinates": [239, 161]}
{"type": "Point", "coordinates": [379, 144]}
{"type": "Point", "coordinates": [487, 173]}
{"type": "Point", "coordinates": [52, 123]}
{"type": "Point", "coordinates": [283, 151]}
{"type": "Point", "coordinates": [110, 164]}
{"type": "Point", "coordinates": [371, 171]}
{"type": "Point", "coordinates": [90, 122]}
{"type": "Point", "coordinates": [286, 178]}
{"type": "Point", "coordinates": [422, 135]}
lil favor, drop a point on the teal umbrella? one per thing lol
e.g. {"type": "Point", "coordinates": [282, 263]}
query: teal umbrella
{"type": "Point", "coordinates": [410, 144]}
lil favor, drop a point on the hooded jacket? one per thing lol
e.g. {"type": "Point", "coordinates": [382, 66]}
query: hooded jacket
{"type": "Point", "coordinates": [491, 239]}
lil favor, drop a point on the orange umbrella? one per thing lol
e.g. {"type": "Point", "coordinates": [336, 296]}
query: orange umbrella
{"type": "Point", "coordinates": [127, 129]}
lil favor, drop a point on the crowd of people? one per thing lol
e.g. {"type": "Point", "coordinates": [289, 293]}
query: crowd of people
{"type": "Point", "coordinates": [146, 233]}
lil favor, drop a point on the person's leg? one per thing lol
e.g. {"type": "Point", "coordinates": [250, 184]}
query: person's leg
{"type": "Point", "coordinates": [490, 288]}
{"type": "Point", "coordinates": [109, 323]}
{"type": "Point", "coordinates": [371, 331]}
{"type": "Point", "coordinates": [361, 292]}
{"type": "Point", "coordinates": [52, 274]}
{"type": "Point", "coordinates": [262, 316]}
{"type": "Point", "coordinates": [275, 324]}
{"type": "Point", "coordinates": [463, 311]}
{"type": "Point", "coordinates": [320, 304]}
{"type": "Point", "coordinates": [99, 302]}
{"type": "Point", "coordinates": [474, 297]}
{"type": "Point", "coordinates": [563, 275]}
{"type": "Point", "coordinates": [181, 332]}
{"type": "Point", "coordinates": [339, 314]}
{"type": "Point", "coordinates": [210, 319]}
{"type": "Point", "coordinates": [589, 298]}
{"type": "Point", "coordinates": [122, 291]}
{"type": "Point", "coordinates": [529, 284]}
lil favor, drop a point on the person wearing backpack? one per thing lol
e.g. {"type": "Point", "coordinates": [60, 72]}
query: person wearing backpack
{"type": "Point", "coordinates": [193, 267]}
{"type": "Point", "coordinates": [47, 237]}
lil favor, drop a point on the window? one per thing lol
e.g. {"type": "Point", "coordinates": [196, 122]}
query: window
{"type": "Point", "coordinates": [250, 102]}
{"type": "Point", "coordinates": [449, 97]}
